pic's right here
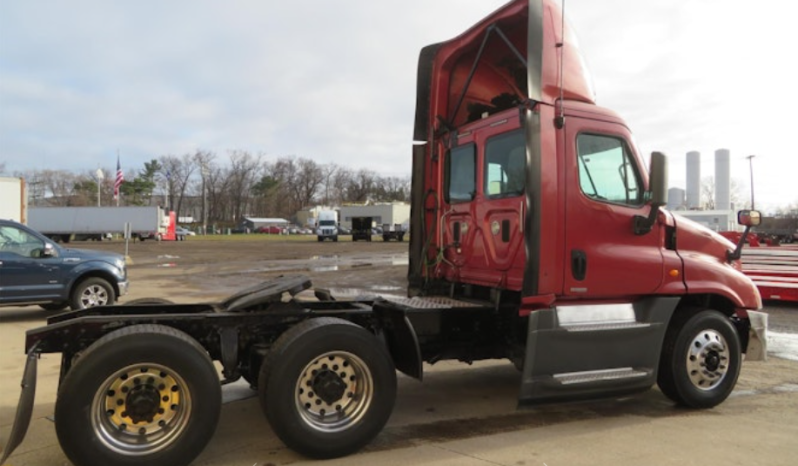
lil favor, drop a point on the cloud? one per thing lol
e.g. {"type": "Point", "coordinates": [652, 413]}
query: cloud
{"type": "Point", "coordinates": [335, 81]}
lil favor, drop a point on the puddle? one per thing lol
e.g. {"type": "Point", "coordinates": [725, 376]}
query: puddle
{"type": "Point", "coordinates": [783, 345]}
{"type": "Point", "coordinates": [385, 288]}
{"type": "Point", "coordinates": [324, 257]}
{"type": "Point", "coordinates": [323, 268]}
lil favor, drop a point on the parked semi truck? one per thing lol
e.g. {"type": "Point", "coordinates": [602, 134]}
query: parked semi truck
{"type": "Point", "coordinates": [362, 228]}
{"type": "Point", "coordinates": [395, 231]}
{"type": "Point", "coordinates": [66, 223]}
{"type": "Point", "coordinates": [13, 199]}
{"type": "Point", "coordinates": [328, 226]}
{"type": "Point", "coordinates": [536, 236]}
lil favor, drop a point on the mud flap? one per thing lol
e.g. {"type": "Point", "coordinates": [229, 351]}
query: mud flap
{"type": "Point", "coordinates": [757, 337]}
{"type": "Point", "coordinates": [25, 406]}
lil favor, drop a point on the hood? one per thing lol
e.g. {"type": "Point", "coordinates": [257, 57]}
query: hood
{"type": "Point", "coordinates": [706, 267]}
{"type": "Point", "coordinates": [694, 237]}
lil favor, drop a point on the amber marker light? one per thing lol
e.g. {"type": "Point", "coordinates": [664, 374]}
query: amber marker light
{"type": "Point", "coordinates": [674, 273]}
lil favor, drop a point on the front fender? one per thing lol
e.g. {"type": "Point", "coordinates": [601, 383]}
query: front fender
{"type": "Point", "coordinates": [704, 274]}
{"type": "Point", "coordinates": [94, 268]}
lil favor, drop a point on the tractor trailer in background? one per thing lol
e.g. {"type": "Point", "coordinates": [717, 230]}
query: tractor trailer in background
{"type": "Point", "coordinates": [327, 227]}
{"type": "Point", "coordinates": [537, 236]}
{"type": "Point", "coordinates": [13, 199]}
{"type": "Point", "coordinates": [64, 224]}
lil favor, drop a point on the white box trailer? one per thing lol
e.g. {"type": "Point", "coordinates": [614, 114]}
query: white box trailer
{"type": "Point", "coordinates": [65, 223]}
{"type": "Point", "coordinates": [13, 199]}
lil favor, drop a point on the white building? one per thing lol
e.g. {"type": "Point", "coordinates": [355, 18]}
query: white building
{"type": "Point", "coordinates": [395, 212]}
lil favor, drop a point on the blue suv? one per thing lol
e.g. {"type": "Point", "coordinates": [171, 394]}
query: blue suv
{"type": "Point", "coordinates": [35, 270]}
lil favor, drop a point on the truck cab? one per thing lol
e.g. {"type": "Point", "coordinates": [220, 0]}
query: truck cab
{"type": "Point", "coordinates": [530, 196]}
{"type": "Point", "coordinates": [327, 226]}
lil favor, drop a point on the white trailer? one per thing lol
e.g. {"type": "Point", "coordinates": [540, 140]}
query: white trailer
{"type": "Point", "coordinates": [13, 199]}
{"type": "Point", "coordinates": [65, 223]}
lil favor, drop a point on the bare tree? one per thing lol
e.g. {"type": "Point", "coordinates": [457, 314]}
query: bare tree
{"type": "Point", "coordinates": [361, 186]}
{"type": "Point", "coordinates": [708, 200]}
{"type": "Point", "coordinates": [244, 173]}
{"type": "Point", "coordinates": [310, 177]}
{"type": "Point", "coordinates": [178, 172]}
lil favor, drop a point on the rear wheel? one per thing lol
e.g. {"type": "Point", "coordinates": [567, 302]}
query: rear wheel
{"type": "Point", "coordinates": [328, 387]}
{"type": "Point", "coordinates": [701, 358]}
{"type": "Point", "coordinates": [145, 394]}
{"type": "Point", "coordinates": [91, 292]}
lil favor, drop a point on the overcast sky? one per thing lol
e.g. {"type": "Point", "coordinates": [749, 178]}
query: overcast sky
{"type": "Point", "coordinates": [335, 80]}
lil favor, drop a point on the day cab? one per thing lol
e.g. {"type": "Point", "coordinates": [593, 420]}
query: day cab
{"type": "Point", "coordinates": [527, 193]}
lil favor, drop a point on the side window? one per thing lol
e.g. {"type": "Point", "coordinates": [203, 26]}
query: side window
{"type": "Point", "coordinates": [19, 242]}
{"type": "Point", "coordinates": [461, 184]}
{"type": "Point", "coordinates": [607, 171]}
{"type": "Point", "coordinates": [505, 159]}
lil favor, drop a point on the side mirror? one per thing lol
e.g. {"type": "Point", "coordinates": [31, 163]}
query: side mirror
{"type": "Point", "coordinates": [48, 251]}
{"type": "Point", "coordinates": [658, 179]}
{"type": "Point", "coordinates": [749, 218]}
{"type": "Point", "coordinates": [657, 193]}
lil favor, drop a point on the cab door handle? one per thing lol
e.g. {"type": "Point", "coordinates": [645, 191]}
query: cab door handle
{"type": "Point", "coordinates": [578, 264]}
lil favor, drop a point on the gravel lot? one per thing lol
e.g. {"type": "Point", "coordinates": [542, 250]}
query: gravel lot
{"type": "Point", "coordinates": [459, 415]}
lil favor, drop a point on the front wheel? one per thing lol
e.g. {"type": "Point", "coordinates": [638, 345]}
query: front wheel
{"type": "Point", "coordinates": [701, 358]}
{"type": "Point", "coordinates": [145, 394]}
{"type": "Point", "coordinates": [91, 292]}
{"type": "Point", "coordinates": [328, 387]}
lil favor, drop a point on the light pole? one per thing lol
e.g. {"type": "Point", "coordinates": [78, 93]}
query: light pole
{"type": "Point", "coordinates": [751, 169]}
{"type": "Point", "coordinates": [204, 171]}
{"type": "Point", "coordinates": [100, 177]}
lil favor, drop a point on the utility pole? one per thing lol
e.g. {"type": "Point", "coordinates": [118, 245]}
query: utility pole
{"type": "Point", "coordinates": [751, 170]}
{"type": "Point", "coordinates": [100, 177]}
{"type": "Point", "coordinates": [204, 172]}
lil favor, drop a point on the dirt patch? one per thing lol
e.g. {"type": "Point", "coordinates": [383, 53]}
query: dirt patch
{"type": "Point", "coordinates": [209, 269]}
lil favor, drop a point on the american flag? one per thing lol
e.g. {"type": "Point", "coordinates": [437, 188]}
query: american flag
{"type": "Point", "coordinates": [119, 179]}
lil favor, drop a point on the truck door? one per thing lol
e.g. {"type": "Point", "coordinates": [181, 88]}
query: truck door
{"type": "Point", "coordinates": [484, 192]}
{"type": "Point", "coordinates": [604, 192]}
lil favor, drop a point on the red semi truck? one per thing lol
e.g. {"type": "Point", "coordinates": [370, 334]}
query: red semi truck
{"type": "Point", "coordinates": [537, 236]}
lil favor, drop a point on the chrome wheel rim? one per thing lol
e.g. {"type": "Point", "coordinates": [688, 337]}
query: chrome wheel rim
{"type": "Point", "coordinates": [707, 359]}
{"type": "Point", "coordinates": [334, 391]}
{"type": "Point", "coordinates": [141, 409]}
{"type": "Point", "coordinates": [94, 295]}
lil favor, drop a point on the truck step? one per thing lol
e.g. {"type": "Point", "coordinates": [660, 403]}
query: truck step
{"type": "Point", "coordinates": [571, 378]}
{"type": "Point", "coordinates": [429, 302]}
{"type": "Point", "coordinates": [598, 327]}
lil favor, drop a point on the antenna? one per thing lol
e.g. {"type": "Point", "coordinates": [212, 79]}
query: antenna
{"type": "Point", "coordinates": [559, 122]}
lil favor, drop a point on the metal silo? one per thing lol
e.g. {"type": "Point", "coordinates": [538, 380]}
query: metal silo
{"type": "Point", "coordinates": [722, 180]}
{"type": "Point", "coordinates": [693, 179]}
{"type": "Point", "coordinates": [676, 199]}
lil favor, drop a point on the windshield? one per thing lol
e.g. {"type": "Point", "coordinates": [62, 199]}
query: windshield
{"type": "Point", "coordinates": [327, 223]}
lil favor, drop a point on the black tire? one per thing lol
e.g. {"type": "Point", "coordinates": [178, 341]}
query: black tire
{"type": "Point", "coordinates": [55, 307]}
{"type": "Point", "coordinates": [700, 360]}
{"type": "Point", "coordinates": [91, 292]}
{"type": "Point", "coordinates": [297, 365]}
{"type": "Point", "coordinates": [148, 301]}
{"type": "Point", "coordinates": [171, 384]}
